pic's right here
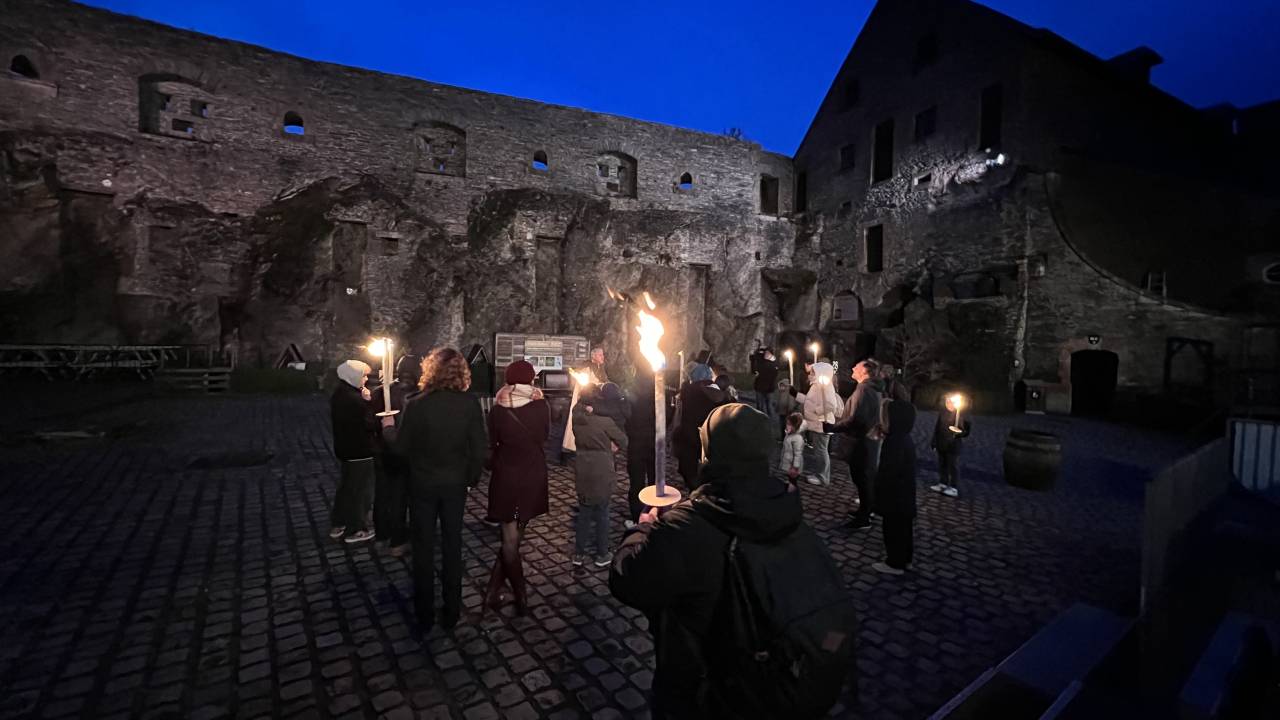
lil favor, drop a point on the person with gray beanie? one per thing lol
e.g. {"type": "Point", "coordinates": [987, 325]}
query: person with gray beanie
{"type": "Point", "coordinates": [354, 428]}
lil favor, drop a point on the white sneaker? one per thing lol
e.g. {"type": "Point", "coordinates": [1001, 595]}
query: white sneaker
{"type": "Point", "coordinates": [883, 568]}
{"type": "Point", "coordinates": [337, 532]}
{"type": "Point", "coordinates": [950, 491]}
{"type": "Point", "coordinates": [629, 524]}
{"type": "Point", "coordinates": [359, 536]}
{"type": "Point", "coordinates": [937, 487]}
{"type": "Point", "coordinates": [812, 480]}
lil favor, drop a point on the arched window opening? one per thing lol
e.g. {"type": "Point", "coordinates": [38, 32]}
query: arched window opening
{"type": "Point", "coordinates": [686, 182]}
{"type": "Point", "coordinates": [173, 106]}
{"type": "Point", "coordinates": [1271, 274]}
{"type": "Point", "coordinates": [441, 149]}
{"type": "Point", "coordinates": [293, 124]}
{"type": "Point", "coordinates": [616, 175]}
{"type": "Point", "coordinates": [22, 65]}
{"type": "Point", "coordinates": [540, 161]}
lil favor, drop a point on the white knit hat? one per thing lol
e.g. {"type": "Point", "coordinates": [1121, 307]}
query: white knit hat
{"type": "Point", "coordinates": [351, 371]}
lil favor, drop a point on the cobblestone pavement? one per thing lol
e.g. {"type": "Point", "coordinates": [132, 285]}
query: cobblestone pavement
{"type": "Point", "coordinates": [136, 582]}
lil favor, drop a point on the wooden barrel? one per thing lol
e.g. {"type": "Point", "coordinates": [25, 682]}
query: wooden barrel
{"type": "Point", "coordinates": [1032, 459]}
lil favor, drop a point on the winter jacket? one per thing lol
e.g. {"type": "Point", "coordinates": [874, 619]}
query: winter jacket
{"type": "Point", "coordinates": [697, 400]}
{"type": "Point", "coordinates": [944, 440]}
{"type": "Point", "coordinates": [640, 423]}
{"type": "Point", "coordinates": [402, 393]}
{"type": "Point", "coordinates": [766, 379]}
{"type": "Point", "coordinates": [594, 475]}
{"type": "Point", "coordinates": [820, 404]}
{"type": "Point", "coordinates": [858, 424]}
{"type": "Point", "coordinates": [673, 570]}
{"type": "Point", "coordinates": [443, 437]}
{"type": "Point", "coordinates": [792, 453]}
{"type": "Point", "coordinates": [518, 427]}
{"type": "Point", "coordinates": [896, 475]}
{"type": "Point", "coordinates": [354, 424]}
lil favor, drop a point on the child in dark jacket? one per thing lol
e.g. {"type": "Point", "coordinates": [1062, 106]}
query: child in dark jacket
{"type": "Point", "coordinates": [896, 486]}
{"type": "Point", "coordinates": [946, 442]}
{"type": "Point", "coordinates": [597, 438]}
{"type": "Point", "coordinates": [610, 403]}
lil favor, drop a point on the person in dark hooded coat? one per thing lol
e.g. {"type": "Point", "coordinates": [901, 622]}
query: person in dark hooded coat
{"type": "Point", "coordinates": [672, 567]}
{"type": "Point", "coordinates": [896, 486]}
{"type": "Point", "coordinates": [391, 489]}
{"type": "Point", "coordinates": [696, 401]}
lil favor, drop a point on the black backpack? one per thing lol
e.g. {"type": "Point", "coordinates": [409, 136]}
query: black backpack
{"type": "Point", "coordinates": [783, 632]}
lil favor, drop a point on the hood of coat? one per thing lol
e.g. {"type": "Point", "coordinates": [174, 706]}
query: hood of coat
{"type": "Point", "coordinates": [516, 396]}
{"type": "Point", "coordinates": [740, 495]}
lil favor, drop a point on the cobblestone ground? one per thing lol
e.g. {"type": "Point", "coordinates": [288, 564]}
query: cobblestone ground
{"type": "Point", "coordinates": [136, 582]}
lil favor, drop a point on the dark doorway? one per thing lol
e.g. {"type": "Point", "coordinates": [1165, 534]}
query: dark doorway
{"type": "Point", "coordinates": [548, 272]}
{"type": "Point", "coordinates": [1093, 382]}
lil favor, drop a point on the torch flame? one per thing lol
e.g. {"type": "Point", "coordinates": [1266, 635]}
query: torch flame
{"type": "Point", "coordinates": [957, 401]}
{"type": "Point", "coordinates": [377, 347]}
{"type": "Point", "coordinates": [788, 354]}
{"type": "Point", "coordinates": [582, 377]}
{"type": "Point", "coordinates": [612, 295]}
{"type": "Point", "coordinates": [650, 329]}
{"type": "Point", "coordinates": [649, 301]}
{"type": "Point", "coordinates": [814, 348]}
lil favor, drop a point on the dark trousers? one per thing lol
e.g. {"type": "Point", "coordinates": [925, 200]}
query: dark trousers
{"type": "Point", "coordinates": [391, 502]}
{"type": "Point", "coordinates": [351, 501]}
{"type": "Point", "coordinates": [898, 543]}
{"type": "Point", "coordinates": [592, 527]}
{"type": "Point", "coordinates": [863, 457]}
{"type": "Point", "coordinates": [948, 473]}
{"type": "Point", "coordinates": [428, 504]}
{"type": "Point", "coordinates": [640, 471]}
{"type": "Point", "coordinates": [764, 403]}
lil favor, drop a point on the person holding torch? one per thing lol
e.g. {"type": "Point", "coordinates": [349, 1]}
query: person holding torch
{"type": "Point", "coordinates": [948, 432]}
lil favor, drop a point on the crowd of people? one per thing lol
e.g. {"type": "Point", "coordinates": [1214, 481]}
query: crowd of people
{"type": "Point", "coordinates": [404, 472]}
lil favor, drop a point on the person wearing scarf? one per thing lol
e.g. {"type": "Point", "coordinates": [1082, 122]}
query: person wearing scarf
{"type": "Point", "coordinates": [354, 428]}
{"type": "Point", "coordinates": [518, 427]}
{"type": "Point", "coordinates": [696, 401]}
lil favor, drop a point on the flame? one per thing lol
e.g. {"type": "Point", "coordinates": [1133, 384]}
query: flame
{"type": "Point", "coordinates": [612, 295]}
{"type": "Point", "coordinates": [957, 401]}
{"type": "Point", "coordinates": [649, 301]}
{"type": "Point", "coordinates": [377, 347]}
{"type": "Point", "coordinates": [582, 377]}
{"type": "Point", "coordinates": [814, 348]}
{"type": "Point", "coordinates": [650, 329]}
{"type": "Point", "coordinates": [788, 354]}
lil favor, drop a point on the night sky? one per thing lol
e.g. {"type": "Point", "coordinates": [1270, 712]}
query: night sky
{"type": "Point", "coordinates": [760, 66]}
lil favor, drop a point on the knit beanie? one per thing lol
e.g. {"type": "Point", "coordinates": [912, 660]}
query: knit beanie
{"type": "Point", "coordinates": [699, 373]}
{"type": "Point", "coordinates": [519, 372]}
{"type": "Point", "coordinates": [351, 371]}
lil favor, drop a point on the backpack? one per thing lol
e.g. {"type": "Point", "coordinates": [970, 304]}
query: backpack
{"type": "Point", "coordinates": [783, 631]}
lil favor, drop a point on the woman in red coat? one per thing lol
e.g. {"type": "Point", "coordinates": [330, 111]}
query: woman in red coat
{"type": "Point", "coordinates": [518, 426]}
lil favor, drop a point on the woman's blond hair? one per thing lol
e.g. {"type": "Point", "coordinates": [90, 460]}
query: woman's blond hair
{"type": "Point", "coordinates": [445, 369]}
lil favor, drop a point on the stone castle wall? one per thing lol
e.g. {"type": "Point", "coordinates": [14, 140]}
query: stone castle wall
{"type": "Point", "coordinates": [157, 161]}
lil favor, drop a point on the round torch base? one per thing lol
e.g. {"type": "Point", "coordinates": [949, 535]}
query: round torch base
{"type": "Point", "coordinates": [388, 413]}
{"type": "Point", "coordinates": [649, 496]}
{"type": "Point", "coordinates": [955, 429]}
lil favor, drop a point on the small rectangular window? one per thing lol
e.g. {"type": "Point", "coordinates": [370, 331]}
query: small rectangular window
{"type": "Point", "coordinates": [802, 191]}
{"type": "Point", "coordinates": [199, 108]}
{"type": "Point", "coordinates": [183, 126]}
{"type": "Point", "coordinates": [846, 209]}
{"type": "Point", "coordinates": [924, 179]}
{"type": "Point", "coordinates": [390, 245]}
{"type": "Point", "coordinates": [602, 170]}
{"type": "Point", "coordinates": [874, 249]}
{"type": "Point", "coordinates": [926, 123]}
{"type": "Point", "coordinates": [882, 155]}
{"type": "Point", "coordinates": [848, 156]}
{"type": "Point", "coordinates": [989, 122]}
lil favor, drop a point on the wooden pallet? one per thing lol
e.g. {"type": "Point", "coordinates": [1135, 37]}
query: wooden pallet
{"type": "Point", "coordinates": [208, 380]}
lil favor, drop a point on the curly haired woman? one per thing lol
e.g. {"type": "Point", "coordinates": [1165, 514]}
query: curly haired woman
{"type": "Point", "coordinates": [442, 435]}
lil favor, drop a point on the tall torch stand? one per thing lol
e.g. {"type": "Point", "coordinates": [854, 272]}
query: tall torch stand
{"type": "Point", "coordinates": [658, 494]}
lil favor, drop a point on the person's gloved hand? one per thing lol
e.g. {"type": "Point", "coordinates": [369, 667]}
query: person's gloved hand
{"type": "Point", "coordinates": [792, 389]}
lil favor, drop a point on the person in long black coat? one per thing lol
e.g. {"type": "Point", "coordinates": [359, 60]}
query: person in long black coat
{"type": "Point", "coordinates": [697, 399]}
{"type": "Point", "coordinates": [896, 487]}
{"type": "Point", "coordinates": [443, 437]}
{"type": "Point", "coordinates": [391, 490]}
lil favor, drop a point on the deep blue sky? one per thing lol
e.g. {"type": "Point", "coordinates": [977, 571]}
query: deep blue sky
{"type": "Point", "coordinates": [762, 66]}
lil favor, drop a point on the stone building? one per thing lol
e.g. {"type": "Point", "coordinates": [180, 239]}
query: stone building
{"type": "Point", "coordinates": [976, 198]}
{"type": "Point", "coordinates": [999, 206]}
{"type": "Point", "coordinates": [161, 186]}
